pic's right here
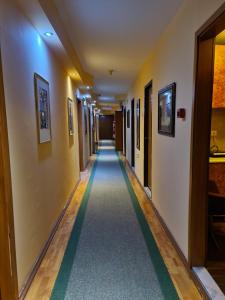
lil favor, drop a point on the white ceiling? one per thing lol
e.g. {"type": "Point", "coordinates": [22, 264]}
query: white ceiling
{"type": "Point", "coordinates": [116, 34]}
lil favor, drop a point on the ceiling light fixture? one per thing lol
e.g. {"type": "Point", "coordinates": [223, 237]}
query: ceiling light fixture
{"type": "Point", "coordinates": [111, 72]}
{"type": "Point", "coordinates": [49, 34]}
{"type": "Point", "coordinates": [87, 96]}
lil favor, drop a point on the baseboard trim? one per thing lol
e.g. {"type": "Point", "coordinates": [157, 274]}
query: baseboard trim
{"type": "Point", "coordinates": [30, 277]}
{"type": "Point", "coordinates": [191, 273]}
{"type": "Point", "coordinates": [87, 164]}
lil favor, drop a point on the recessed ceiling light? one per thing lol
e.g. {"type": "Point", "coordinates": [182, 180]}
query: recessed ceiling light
{"type": "Point", "coordinates": [88, 87]}
{"type": "Point", "coordinates": [49, 34]}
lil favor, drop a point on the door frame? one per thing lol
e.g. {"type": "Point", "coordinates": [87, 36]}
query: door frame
{"type": "Point", "coordinates": [204, 62]}
{"type": "Point", "coordinates": [8, 272]}
{"type": "Point", "coordinates": [146, 131]}
{"type": "Point", "coordinates": [132, 134]}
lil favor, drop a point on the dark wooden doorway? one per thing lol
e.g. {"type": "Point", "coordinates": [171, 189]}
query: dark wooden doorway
{"type": "Point", "coordinates": [90, 131]}
{"type": "Point", "coordinates": [132, 135]}
{"type": "Point", "coordinates": [81, 130]}
{"type": "Point", "coordinates": [148, 136]}
{"type": "Point", "coordinates": [106, 127]}
{"type": "Point", "coordinates": [119, 130]}
{"type": "Point", "coordinates": [198, 218]}
{"type": "Point", "coordinates": [8, 273]}
{"type": "Point", "coordinates": [124, 131]}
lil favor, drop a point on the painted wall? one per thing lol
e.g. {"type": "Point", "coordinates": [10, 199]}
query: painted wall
{"type": "Point", "coordinates": [172, 60]}
{"type": "Point", "coordinates": [43, 176]}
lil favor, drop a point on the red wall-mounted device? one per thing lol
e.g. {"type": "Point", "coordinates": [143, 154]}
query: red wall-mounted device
{"type": "Point", "coordinates": [181, 113]}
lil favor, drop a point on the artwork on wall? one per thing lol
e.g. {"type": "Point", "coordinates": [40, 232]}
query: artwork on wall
{"type": "Point", "coordinates": [70, 116]}
{"type": "Point", "coordinates": [166, 110]}
{"type": "Point", "coordinates": [138, 124]}
{"type": "Point", "coordinates": [43, 108]}
{"type": "Point", "coordinates": [128, 118]}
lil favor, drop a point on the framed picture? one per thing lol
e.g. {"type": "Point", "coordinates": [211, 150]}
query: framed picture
{"type": "Point", "coordinates": [138, 124]}
{"type": "Point", "coordinates": [166, 110]}
{"type": "Point", "coordinates": [41, 87]}
{"type": "Point", "coordinates": [128, 118]}
{"type": "Point", "coordinates": [70, 116]}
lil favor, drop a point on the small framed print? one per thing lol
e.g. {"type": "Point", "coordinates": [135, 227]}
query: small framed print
{"type": "Point", "coordinates": [70, 116]}
{"type": "Point", "coordinates": [166, 110]}
{"type": "Point", "coordinates": [43, 108]}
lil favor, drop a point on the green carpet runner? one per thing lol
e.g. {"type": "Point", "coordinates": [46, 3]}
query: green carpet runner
{"type": "Point", "coordinates": [111, 253]}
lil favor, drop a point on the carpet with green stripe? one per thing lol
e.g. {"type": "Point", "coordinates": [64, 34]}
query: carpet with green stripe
{"type": "Point", "coordinates": [111, 253]}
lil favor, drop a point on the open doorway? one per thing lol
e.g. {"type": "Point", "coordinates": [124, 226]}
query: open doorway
{"type": "Point", "coordinates": [148, 138]}
{"type": "Point", "coordinates": [207, 203]}
{"type": "Point", "coordinates": [8, 273]}
{"type": "Point", "coordinates": [132, 135]}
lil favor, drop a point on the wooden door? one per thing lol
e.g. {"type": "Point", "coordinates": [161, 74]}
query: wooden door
{"type": "Point", "coordinates": [198, 218]}
{"type": "Point", "coordinates": [148, 136]}
{"type": "Point", "coordinates": [125, 131]}
{"type": "Point", "coordinates": [8, 273]}
{"type": "Point", "coordinates": [80, 132]}
{"type": "Point", "coordinates": [132, 135]}
{"type": "Point", "coordinates": [106, 127]}
{"type": "Point", "coordinates": [119, 130]}
{"type": "Point", "coordinates": [89, 131]}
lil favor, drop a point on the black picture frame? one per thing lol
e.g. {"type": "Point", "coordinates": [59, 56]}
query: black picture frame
{"type": "Point", "coordinates": [138, 124]}
{"type": "Point", "coordinates": [128, 118]}
{"type": "Point", "coordinates": [70, 109]}
{"type": "Point", "coordinates": [166, 110]}
{"type": "Point", "coordinates": [42, 99]}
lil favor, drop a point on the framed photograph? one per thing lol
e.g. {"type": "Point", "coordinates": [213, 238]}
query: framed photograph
{"type": "Point", "coordinates": [166, 110]}
{"type": "Point", "coordinates": [70, 116]}
{"type": "Point", "coordinates": [138, 124]}
{"type": "Point", "coordinates": [128, 118]}
{"type": "Point", "coordinates": [42, 97]}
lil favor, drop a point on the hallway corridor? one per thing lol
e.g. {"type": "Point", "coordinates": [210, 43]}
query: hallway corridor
{"type": "Point", "coordinates": [111, 253]}
{"type": "Point", "coordinates": [112, 149]}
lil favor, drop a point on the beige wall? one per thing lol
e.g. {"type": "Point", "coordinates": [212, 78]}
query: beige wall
{"type": "Point", "coordinates": [43, 176]}
{"type": "Point", "coordinates": [172, 60]}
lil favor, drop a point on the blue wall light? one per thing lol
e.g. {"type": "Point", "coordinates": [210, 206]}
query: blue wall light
{"type": "Point", "coordinates": [49, 34]}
